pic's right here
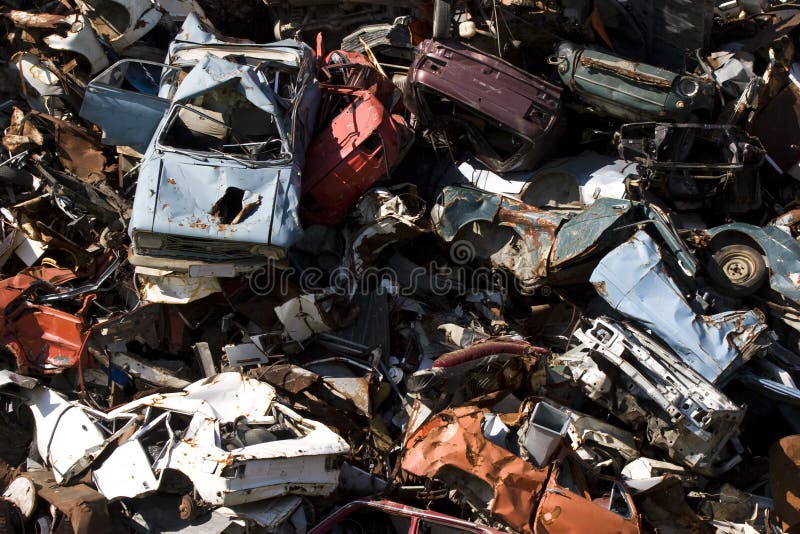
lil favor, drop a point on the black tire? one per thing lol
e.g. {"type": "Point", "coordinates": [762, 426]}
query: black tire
{"type": "Point", "coordinates": [442, 18]}
{"type": "Point", "coordinates": [737, 270]}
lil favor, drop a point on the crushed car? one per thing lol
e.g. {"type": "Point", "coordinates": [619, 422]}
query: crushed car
{"type": "Point", "coordinates": [695, 164]}
{"type": "Point", "coordinates": [541, 246]}
{"type": "Point", "coordinates": [511, 127]}
{"type": "Point", "coordinates": [362, 141]}
{"type": "Point", "coordinates": [523, 267]}
{"type": "Point", "coordinates": [631, 91]}
{"type": "Point", "coordinates": [452, 447]}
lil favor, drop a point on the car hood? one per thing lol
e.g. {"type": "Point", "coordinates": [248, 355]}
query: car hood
{"type": "Point", "coordinates": [186, 191]}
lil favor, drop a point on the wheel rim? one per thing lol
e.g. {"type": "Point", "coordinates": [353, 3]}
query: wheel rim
{"type": "Point", "coordinates": [739, 268]}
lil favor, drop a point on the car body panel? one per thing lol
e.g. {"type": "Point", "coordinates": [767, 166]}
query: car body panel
{"type": "Point", "coordinates": [521, 105]}
{"type": "Point", "coordinates": [42, 339]}
{"type": "Point", "coordinates": [632, 375]}
{"type": "Point", "coordinates": [360, 144]}
{"type": "Point", "coordinates": [509, 485]}
{"type": "Point", "coordinates": [121, 22]}
{"type": "Point", "coordinates": [233, 475]}
{"type": "Point", "coordinates": [197, 39]}
{"type": "Point", "coordinates": [392, 41]}
{"type": "Point", "coordinates": [451, 446]}
{"type": "Point", "coordinates": [781, 254]}
{"type": "Point", "coordinates": [631, 91]}
{"type": "Point", "coordinates": [563, 507]}
{"type": "Point", "coordinates": [80, 39]}
{"type": "Point", "coordinates": [182, 193]}
{"type": "Point", "coordinates": [633, 277]}
{"type": "Point", "coordinates": [546, 245]}
{"type": "Point", "coordinates": [126, 117]}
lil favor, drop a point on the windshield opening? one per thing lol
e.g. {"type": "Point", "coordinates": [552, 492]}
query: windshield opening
{"type": "Point", "coordinates": [225, 123]}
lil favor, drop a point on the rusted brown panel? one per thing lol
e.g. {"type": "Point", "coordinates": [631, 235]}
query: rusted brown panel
{"type": "Point", "coordinates": [79, 151]}
{"type": "Point", "coordinates": [453, 439]}
{"type": "Point", "coordinates": [85, 507]}
{"type": "Point", "coordinates": [563, 511]}
{"type": "Point", "coordinates": [286, 376]}
{"type": "Point", "coordinates": [23, 19]}
{"type": "Point", "coordinates": [627, 69]}
{"type": "Point", "coordinates": [538, 234]}
{"type": "Point", "coordinates": [39, 337]}
{"type": "Point", "coordinates": [784, 481]}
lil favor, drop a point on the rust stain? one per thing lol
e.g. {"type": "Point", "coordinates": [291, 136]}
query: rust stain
{"type": "Point", "coordinates": [454, 439]}
{"type": "Point", "coordinates": [24, 19]}
{"type": "Point", "coordinates": [601, 288]}
{"type": "Point", "coordinates": [627, 70]}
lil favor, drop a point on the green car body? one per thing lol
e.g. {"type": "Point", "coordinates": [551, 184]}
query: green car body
{"type": "Point", "coordinates": [630, 91]}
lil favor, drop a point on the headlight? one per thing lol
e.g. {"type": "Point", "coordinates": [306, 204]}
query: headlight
{"type": "Point", "coordinates": [688, 87]}
{"type": "Point", "coordinates": [148, 240]}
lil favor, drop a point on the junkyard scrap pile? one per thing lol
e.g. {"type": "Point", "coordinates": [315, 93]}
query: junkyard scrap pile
{"type": "Point", "coordinates": [424, 266]}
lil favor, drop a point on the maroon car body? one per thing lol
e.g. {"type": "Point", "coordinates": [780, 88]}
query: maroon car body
{"type": "Point", "coordinates": [511, 118]}
{"type": "Point", "coordinates": [419, 521]}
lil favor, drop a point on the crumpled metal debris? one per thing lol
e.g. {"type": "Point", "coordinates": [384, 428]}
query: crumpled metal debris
{"type": "Point", "coordinates": [520, 266]}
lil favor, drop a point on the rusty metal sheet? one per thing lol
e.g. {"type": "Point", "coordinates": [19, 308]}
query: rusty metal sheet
{"type": "Point", "coordinates": [526, 255]}
{"type": "Point", "coordinates": [452, 443]}
{"type": "Point", "coordinates": [348, 378]}
{"type": "Point", "coordinates": [24, 19]}
{"type": "Point", "coordinates": [85, 507]}
{"type": "Point", "coordinates": [572, 503]}
{"type": "Point", "coordinates": [287, 377]}
{"type": "Point", "coordinates": [784, 481]}
{"type": "Point", "coordinates": [79, 151]}
{"type": "Point", "coordinates": [41, 338]}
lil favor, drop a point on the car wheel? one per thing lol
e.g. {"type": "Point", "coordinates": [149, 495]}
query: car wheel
{"type": "Point", "coordinates": [737, 270]}
{"type": "Point", "coordinates": [442, 18]}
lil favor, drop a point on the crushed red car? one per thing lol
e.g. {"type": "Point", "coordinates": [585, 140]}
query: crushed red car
{"type": "Point", "coordinates": [360, 138]}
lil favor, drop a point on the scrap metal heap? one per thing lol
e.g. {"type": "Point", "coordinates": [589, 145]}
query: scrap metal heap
{"type": "Point", "coordinates": [429, 266]}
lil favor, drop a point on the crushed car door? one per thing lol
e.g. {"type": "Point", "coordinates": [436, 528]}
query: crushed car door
{"type": "Point", "coordinates": [123, 101]}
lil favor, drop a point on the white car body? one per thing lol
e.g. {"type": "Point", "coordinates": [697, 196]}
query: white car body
{"type": "Point", "coordinates": [306, 465]}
